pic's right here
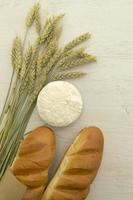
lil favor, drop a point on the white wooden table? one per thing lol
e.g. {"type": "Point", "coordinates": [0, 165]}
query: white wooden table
{"type": "Point", "coordinates": [107, 90]}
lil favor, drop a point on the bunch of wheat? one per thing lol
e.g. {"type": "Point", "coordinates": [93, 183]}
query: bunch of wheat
{"type": "Point", "coordinates": [33, 67]}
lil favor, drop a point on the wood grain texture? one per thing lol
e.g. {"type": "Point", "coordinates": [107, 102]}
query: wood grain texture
{"type": "Point", "coordinates": [107, 90]}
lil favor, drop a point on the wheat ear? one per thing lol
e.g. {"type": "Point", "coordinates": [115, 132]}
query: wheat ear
{"type": "Point", "coordinates": [16, 55]}
{"type": "Point", "coordinates": [68, 75]}
{"type": "Point", "coordinates": [77, 41]}
{"type": "Point", "coordinates": [37, 18]}
{"type": "Point", "coordinates": [49, 27]}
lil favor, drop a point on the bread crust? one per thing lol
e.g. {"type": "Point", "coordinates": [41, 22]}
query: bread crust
{"type": "Point", "coordinates": [33, 193]}
{"type": "Point", "coordinates": [78, 168]}
{"type": "Point", "coordinates": [33, 160]}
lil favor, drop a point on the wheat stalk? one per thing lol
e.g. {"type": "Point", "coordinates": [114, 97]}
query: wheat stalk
{"type": "Point", "coordinates": [33, 15]}
{"type": "Point", "coordinates": [26, 61]}
{"type": "Point", "coordinates": [54, 35]}
{"type": "Point", "coordinates": [16, 55]}
{"type": "Point", "coordinates": [37, 18]}
{"type": "Point", "coordinates": [77, 41]}
{"type": "Point", "coordinates": [80, 61]}
{"type": "Point", "coordinates": [38, 87]}
{"type": "Point", "coordinates": [30, 17]}
{"type": "Point", "coordinates": [44, 58]}
{"type": "Point", "coordinates": [42, 62]}
{"type": "Point", "coordinates": [69, 56]}
{"type": "Point", "coordinates": [68, 75]}
{"type": "Point", "coordinates": [53, 61]}
{"type": "Point", "coordinates": [49, 27]}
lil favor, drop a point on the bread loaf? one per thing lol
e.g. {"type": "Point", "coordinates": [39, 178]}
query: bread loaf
{"type": "Point", "coordinates": [78, 168]}
{"type": "Point", "coordinates": [33, 160]}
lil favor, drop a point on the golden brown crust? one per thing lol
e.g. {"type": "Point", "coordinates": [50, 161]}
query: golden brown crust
{"type": "Point", "coordinates": [78, 168]}
{"type": "Point", "coordinates": [34, 157]}
{"type": "Point", "coordinates": [33, 193]}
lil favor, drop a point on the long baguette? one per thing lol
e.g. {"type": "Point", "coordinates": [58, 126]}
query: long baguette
{"type": "Point", "coordinates": [78, 167]}
{"type": "Point", "coordinates": [33, 160]}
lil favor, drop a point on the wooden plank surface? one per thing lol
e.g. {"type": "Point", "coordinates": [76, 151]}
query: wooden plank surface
{"type": "Point", "coordinates": [107, 90]}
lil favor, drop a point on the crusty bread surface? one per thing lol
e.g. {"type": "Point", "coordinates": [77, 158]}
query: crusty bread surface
{"type": "Point", "coordinates": [33, 193]}
{"type": "Point", "coordinates": [78, 168]}
{"type": "Point", "coordinates": [33, 160]}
